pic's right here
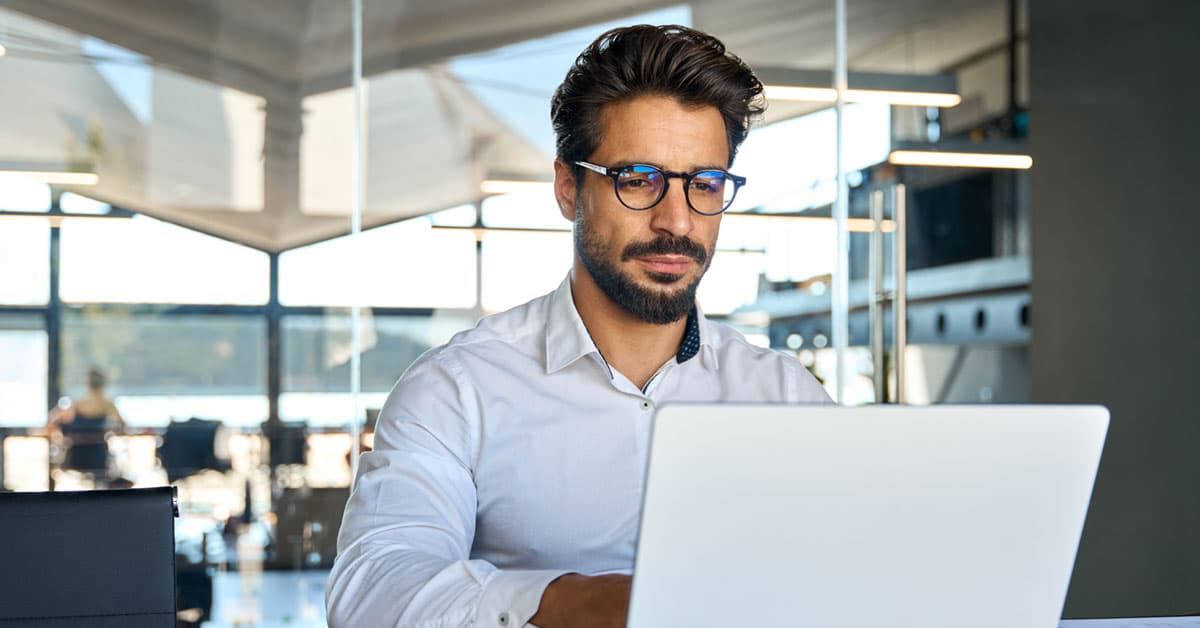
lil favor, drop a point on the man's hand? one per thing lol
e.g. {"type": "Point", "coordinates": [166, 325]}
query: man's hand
{"type": "Point", "coordinates": [575, 601]}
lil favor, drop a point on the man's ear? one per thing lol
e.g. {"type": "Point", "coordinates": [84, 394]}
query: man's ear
{"type": "Point", "coordinates": [565, 189]}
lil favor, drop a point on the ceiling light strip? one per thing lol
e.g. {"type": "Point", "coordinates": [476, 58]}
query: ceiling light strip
{"type": "Point", "coordinates": [829, 95]}
{"type": "Point", "coordinates": [57, 178]}
{"type": "Point", "coordinates": [960, 159]}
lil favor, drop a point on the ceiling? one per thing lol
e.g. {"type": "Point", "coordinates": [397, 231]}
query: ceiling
{"type": "Point", "coordinates": [247, 133]}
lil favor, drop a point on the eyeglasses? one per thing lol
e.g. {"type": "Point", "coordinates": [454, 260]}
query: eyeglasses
{"type": "Point", "coordinates": [641, 186]}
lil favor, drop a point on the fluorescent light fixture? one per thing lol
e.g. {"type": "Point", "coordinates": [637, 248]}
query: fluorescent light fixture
{"type": "Point", "coordinates": [512, 186]}
{"type": "Point", "coordinates": [916, 90]}
{"type": "Point", "coordinates": [3, 50]}
{"type": "Point", "coordinates": [954, 159]}
{"type": "Point", "coordinates": [992, 153]}
{"type": "Point", "coordinates": [55, 177]}
{"type": "Point", "coordinates": [829, 95]}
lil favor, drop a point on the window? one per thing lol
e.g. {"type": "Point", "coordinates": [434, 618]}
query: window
{"type": "Point", "coordinates": [731, 281]}
{"type": "Point", "coordinates": [143, 260]}
{"type": "Point", "coordinates": [408, 264]}
{"type": "Point", "coordinates": [796, 248]}
{"type": "Point", "coordinates": [784, 178]}
{"type": "Point", "coordinates": [164, 366]}
{"type": "Point", "coordinates": [23, 370]}
{"type": "Point", "coordinates": [23, 194]}
{"type": "Point", "coordinates": [72, 203]}
{"type": "Point", "coordinates": [24, 261]}
{"type": "Point", "coordinates": [533, 209]}
{"type": "Point", "coordinates": [520, 266]}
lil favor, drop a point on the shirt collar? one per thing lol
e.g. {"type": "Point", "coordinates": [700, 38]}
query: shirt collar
{"type": "Point", "coordinates": [567, 338]}
{"type": "Point", "coordinates": [708, 339]}
{"type": "Point", "coordinates": [690, 345]}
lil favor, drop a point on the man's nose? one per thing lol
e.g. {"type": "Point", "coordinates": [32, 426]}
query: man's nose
{"type": "Point", "coordinates": [672, 215]}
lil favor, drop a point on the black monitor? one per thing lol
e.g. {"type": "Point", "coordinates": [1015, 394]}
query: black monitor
{"type": "Point", "coordinates": [88, 558]}
{"type": "Point", "coordinates": [189, 447]}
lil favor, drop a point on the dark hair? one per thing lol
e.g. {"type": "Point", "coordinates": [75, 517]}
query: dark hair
{"type": "Point", "coordinates": [96, 379]}
{"type": "Point", "coordinates": [675, 61]}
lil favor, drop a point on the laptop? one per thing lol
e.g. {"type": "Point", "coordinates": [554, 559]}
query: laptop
{"type": "Point", "coordinates": [944, 516]}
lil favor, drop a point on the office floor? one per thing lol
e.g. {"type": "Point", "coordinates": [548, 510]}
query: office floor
{"type": "Point", "coordinates": [273, 599]}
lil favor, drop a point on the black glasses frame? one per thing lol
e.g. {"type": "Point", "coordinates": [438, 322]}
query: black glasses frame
{"type": "Point", "coordinates": [615, 174]}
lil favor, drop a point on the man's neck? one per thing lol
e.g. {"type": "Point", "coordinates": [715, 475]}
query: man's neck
{"type": "Point", "coordinates": [630, 345]}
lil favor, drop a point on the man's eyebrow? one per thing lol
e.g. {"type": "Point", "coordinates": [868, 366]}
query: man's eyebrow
{"type": "Point", "coordinates": [632, 162]}
{"type": "Point", "coordinates": [644, 162]}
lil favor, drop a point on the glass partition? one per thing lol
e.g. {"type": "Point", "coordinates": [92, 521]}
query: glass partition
{"type": "Point", "coordinates": [219, 220]}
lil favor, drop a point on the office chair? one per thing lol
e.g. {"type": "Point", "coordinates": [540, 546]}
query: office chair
{"type": "Point", "coordinates": [189, 447]}
{"type": "Point", "coordinates": [287, 442]}
{"type": "Point", "coordinates": [101, 559]}
{"type": "Point", "coordinates": [86, 448]}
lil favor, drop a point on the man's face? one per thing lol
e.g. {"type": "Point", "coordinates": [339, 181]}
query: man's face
{"type": "Point", "coordinates": [650, 262]}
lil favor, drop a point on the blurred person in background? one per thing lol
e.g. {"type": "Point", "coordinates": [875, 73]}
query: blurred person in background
{"type": "Point", "coordinates": [83, 427]}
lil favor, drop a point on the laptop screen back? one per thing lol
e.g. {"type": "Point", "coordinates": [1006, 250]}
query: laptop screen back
{"type": "Point", "coordinates": [877, 516]}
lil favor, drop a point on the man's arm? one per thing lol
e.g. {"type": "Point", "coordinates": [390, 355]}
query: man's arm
{"type": "Point", "coordinates": [404, 546]}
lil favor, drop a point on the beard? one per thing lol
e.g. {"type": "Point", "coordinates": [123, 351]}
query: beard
{"type": "Point", "coordinates": [658, 307]}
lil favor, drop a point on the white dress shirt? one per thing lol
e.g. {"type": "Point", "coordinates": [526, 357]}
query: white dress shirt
{"type": "Point", "coordinates": [514, 454]}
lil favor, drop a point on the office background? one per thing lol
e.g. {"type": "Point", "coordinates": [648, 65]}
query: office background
{"type": "Point", "coordinates": [176, 186]}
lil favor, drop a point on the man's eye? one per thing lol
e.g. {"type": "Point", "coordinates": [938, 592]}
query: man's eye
{"type": "Point", "coordinates": [634, 184]}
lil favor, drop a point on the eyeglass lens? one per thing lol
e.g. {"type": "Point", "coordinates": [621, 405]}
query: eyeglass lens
{"type": "Point", "coordinates": [708, 191]}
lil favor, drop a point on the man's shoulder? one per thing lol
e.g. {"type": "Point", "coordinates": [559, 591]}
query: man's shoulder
{"type": "Point", "coordinates": [519, 330]}
{"type": "Point", "coordinates": [441, 374]}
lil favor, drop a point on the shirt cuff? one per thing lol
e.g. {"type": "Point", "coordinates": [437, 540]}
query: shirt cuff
{"type": "Point", "coordinates": [511, 598]}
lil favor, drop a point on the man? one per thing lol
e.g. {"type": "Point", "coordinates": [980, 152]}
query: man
{"type": "Point", "coordinates": [506, 481]}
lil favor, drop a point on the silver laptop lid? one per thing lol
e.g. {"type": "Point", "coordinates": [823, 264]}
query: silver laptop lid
{"type": "Point", "coordinates": [875, 516]}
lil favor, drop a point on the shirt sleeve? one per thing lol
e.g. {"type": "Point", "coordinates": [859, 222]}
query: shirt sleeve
{"type": "Point", "coordinates": [404, 545]}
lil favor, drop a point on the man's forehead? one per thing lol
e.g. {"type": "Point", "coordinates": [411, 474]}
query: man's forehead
{"type": "Point", "coordinates": [661, 131]}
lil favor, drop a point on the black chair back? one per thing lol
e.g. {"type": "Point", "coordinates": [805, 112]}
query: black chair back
{"type": "Point", "coordinates": [89, 558]}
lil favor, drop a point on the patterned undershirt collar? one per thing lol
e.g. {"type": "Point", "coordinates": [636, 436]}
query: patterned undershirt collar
{"type": "Point", "coordinates": [691, 338]}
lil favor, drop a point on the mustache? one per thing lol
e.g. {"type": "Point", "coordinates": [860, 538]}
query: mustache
{"type": "Point", "coordinates": [665, 245]}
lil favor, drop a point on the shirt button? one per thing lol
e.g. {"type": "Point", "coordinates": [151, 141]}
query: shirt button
{"type": "Point", "coordinates": [646, 405]}
{"type": "Point", "coordinates": [504, 619]}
